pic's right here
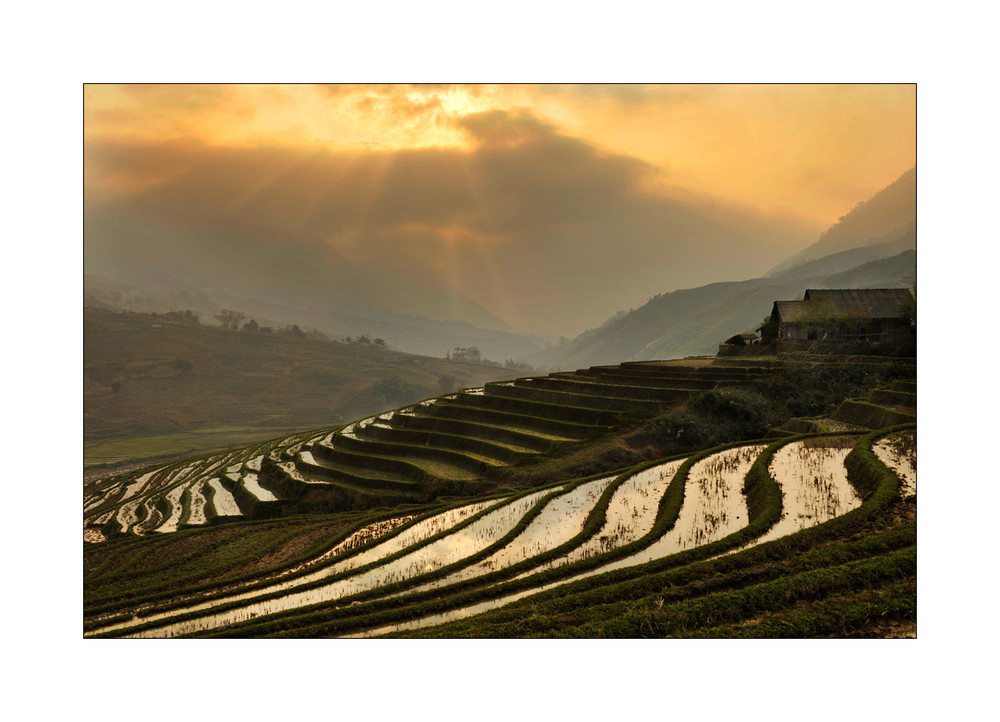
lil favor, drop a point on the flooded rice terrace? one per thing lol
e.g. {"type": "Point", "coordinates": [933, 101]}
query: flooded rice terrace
{"type": "Point", "coordinates": [196, 512]}
{"type": "Point", "coordinates": [560, 520]}
{"type": "Point", "coordinates": [813, 481]}
{"type": "Point", "coordinates": [810, 473]}
{"type": "Point", "coordinates": [631, 514]}
{"type": "Point", "coordinates": [176, 509]}
{"type": "Point", "coordinates": [413, 535]}
{"type": "Point", "coordinates": [899, 453]}
{"type": "Point", "coordinates": [449, 549]}
{"type": "Point", "coordinates": [222, 500]}
{"type": "Point", "coordinates": [362, 536]}
{"type": "Point", "coordinates": [253, 486]}
{"type": "Point", "coordinates": [713, 496]}
{"type": "Point", "coordinates": [714, 507]}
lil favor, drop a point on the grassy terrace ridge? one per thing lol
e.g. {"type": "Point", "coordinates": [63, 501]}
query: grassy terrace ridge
{"type": "Point", "coordinates": [624, 390]}
{"type": "Point", "coordinates": [500, 451]}
{"type": "Point", "coordinates": [412, 468]}
{"type": "Point", "coordinates": [581, 402]}
{"type": "Point", "coordinates": [539, 425]}
{"type": "Point", "coordinates": [519, 438]}
{"type": "Point", "coordinates": [530, 405]}
{"type": "Point", "coordinates": [384, 481]}
{"type": "Point", "coordinates": [358, 475]}
{"type": "Point", "coordinates": [643, 381]}
{"type": "Point", "coordinates": [416, 453]}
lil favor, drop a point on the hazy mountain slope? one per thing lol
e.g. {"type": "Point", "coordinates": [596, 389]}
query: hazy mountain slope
{"type": "Point", "coordinates": [694, 321]}
{"type": "Point", "coordinates": [407, 332]}
{"type": "Point", "coordinates": [169, 255]}
{"type": "Point", "coordinates": [884, 217]}
{"type": "Point", "coordinates": [180, 386]}
{"type": "Point", "coordinates": [846, 260]}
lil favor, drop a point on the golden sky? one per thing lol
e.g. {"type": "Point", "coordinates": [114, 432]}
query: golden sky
{"type": "Point", "coordinates": [808, 150]}
{"type": "Point", "coordinates": [550, 206]}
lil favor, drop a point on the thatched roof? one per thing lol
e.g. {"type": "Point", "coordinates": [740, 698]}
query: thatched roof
{"type": "Point", "coordinates": [870, 302]}
{"type": "Point", "coordinates": [789, 311]}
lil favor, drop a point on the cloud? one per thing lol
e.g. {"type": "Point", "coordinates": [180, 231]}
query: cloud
{"type": "Point", "coordinates": [548, 231]}
{"type": "Point", "coordinates": [504, 129]}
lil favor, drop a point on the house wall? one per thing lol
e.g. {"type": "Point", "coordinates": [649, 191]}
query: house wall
{"type": "Point", "coordinates": [791, 331]}
{"type": "Point", "coordinates": [874, 329]}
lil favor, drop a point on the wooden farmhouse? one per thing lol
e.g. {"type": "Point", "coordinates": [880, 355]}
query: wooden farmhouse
{"type": "Point", "coordinates": [847, 314]}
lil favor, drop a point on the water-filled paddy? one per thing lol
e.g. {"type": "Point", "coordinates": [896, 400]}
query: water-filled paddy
{"type": "Point", "coordinates": [253, 486]}
{"type": "Point", "coordinates": [631, 514]}
{"type": "Point", "coordinates": [196, 514]}
{"type": "Point", "coordinates": [560, 520]}
{"type": "Point", "coordinates": [899, 453]}
{"type": "Point", "coordinates": [174, 500]}
{"type": "Point", "coordinates": [223, 501]}
{"type": "Point", "coordinates": [713, 507]}
{"type": "Point", "coordinates": [813, 481]}
{"type": "Point", "coordinates": [449, 549]}
{"type": "Point", "coordinates": [415, 534]}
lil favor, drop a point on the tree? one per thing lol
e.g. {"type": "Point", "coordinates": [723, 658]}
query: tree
{"type": "Point", "coordinates": [230, 319]}
{"type": "Point", "coordinates": [818, 318]}
{"type": "Point", "coordinates": [395, 391]}
{"type": "Point", "coordinates": [294, 330]}
{"type": "Point", "coordinates": [250, 325]}
{"type": "Point", "coordinates": [471, 354]}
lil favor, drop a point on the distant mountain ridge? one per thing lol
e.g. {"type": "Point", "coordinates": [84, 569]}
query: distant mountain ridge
{"type": "Point", "coordinates": [872, 246]}
{"type": "Point", "coordinates": [692, 322]}
{"type": "Point", "coordinates": [407, 332]}
{"type": "Point", "coordinates": [887, 216]}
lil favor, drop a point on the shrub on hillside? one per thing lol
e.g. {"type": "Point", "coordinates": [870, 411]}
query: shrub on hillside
{"type": "Point", "coordinates": [709, 418]}
{"type": "Point", "coordinates": [817, 391]}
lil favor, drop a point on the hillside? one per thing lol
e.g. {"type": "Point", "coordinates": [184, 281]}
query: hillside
{"type": "Point", "coordinates": [154, 386]}
{"type": "Point", "coordinates": [413, 519]}
{"type": "Point", "coordinates": [889, 214]}
{"type": "Point", "coordinates": [694, 321]}
{"type": "Point", "coordinates": [409, 331]}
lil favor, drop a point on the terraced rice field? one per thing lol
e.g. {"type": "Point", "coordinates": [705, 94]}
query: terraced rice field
{"type": "Point", "coordinates": [480, 543]}
{"type": "Point", "coordinates": [479, 548]}
{"type": "Point", "coordinates": [456, 442]}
